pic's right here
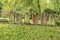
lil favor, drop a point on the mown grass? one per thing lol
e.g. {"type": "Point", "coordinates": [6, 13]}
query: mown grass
{"type": "Point", "coordinates": [28, 32]}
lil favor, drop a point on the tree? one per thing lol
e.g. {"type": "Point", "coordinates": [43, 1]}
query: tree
{"type": "Point", "coordinates": [1, 5]}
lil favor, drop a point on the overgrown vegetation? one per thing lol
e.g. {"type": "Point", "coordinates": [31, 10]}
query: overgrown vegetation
{"type": "Point", "coordinates": [38, 13]}
{"type": "Point", "coordinates": [43, 11]}
{"type": "Point", "coordinates": [28, 32]}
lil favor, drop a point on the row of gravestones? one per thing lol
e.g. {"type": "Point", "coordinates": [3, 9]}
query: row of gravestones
{"type": "Point", "coordinates": [11, 19]}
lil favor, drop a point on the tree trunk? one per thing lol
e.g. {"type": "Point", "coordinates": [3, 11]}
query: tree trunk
{"type": "Point", "coordinates": [14, 18]}
{"type": "Point", "coordinates": [35, 19]}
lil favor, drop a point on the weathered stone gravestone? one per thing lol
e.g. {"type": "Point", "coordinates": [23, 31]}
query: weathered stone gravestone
{"type": "Point", "coordinates": [48, 17]}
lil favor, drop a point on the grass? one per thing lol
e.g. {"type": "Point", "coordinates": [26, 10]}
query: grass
{"type": "Point", "coordinates": [28, 32]}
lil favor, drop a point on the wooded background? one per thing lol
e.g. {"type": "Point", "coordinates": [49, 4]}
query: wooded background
{"type": "Point", "coordinates": [44, 12]}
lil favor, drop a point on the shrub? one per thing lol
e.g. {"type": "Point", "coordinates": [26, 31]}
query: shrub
{"type": "Point", "coordinates": [58, 23]}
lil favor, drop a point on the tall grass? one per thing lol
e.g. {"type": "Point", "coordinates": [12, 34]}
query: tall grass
{"type": "Point", "coordinates": [28, 32]}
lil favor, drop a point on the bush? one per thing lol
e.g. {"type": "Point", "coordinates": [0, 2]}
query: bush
{"type": "Point", "coordinates": [58, 23]}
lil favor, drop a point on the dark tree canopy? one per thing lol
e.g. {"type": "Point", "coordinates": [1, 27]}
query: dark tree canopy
{"type": "Point", "coordinates": [50, 11]}
{"type": "Point", "coordinates": [1, 5]}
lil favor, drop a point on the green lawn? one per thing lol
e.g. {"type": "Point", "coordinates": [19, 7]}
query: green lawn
{"type": "Point", "coordinates": [28, 32]}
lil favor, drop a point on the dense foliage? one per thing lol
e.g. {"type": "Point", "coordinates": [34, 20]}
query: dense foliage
{"type": "Point", "coordinates": [25, 5]}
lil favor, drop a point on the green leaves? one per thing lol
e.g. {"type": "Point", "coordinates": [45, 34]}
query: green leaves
{"type": "Point", "coordinates": [1, 5]}
{"type": "Point", "coordinates": [25, 5]}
